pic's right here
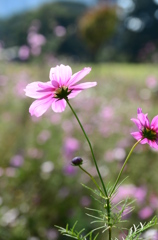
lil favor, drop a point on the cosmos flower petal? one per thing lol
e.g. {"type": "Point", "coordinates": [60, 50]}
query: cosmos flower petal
{"type": "Point", "coordinates": [36, 89]}
{"type": "Point", "coordinates": [79, 75]}
{"type": "Point", "coordinates": [62, 74]}
{"type": "Point", "coordinates": [154, 122]}
{"type": "Point", "coordinates": [58, 105]}
{"type": "Point", "coordinates": [139, 110]}
{"type": "Point", "coordinates": [155, 145]}
{"type": "Point", "coordinates": [38, 107]}
{"type": "Point", "coordinates": [74, 94]}
{"type": "Point", "coordinates": [137, 122]}
{"type": "Point", "coordinates": [65, 74]}
{"type": "Point", "coordinates": [51, 74]}
{"type": "Point", "coordinates": [144, 119]}
{"type": "Point", "coordinates": [83, 86]}
{"type": "Point", "coordinates": [136, 135]}
{"type": "Point", "coordinates": [144, 141]}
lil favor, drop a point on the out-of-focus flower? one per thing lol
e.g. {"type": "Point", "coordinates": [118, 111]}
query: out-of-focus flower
{"type": "Point", "coordinates": [151, 234]}
{"type": "Point", "coordinates": [47, 167]}
{"type": "Point", "coordinates": [52, 234]}
{"type": "Point", "coordinates": [62, 85]}
{"type": "Point", "coordinates": [24, 52]}
{"type": "Point", "coordinates": [71, 145]}
{"type": "Point", "coordinates": [130, 191]}
{"type": "Point", "coordinates": [145, 212]}
{"type": "Point", "coordinates": [36, 39]}
{"type": "Point", "coordinates": [17, 161]}
{"type": "Point", "coordinates": [151, 82]}
{"type": "Point", "coordinates": [85, 201]}
{"type": "Point", "coordinates": [147, 132]}
{"type": "Point", "coordinates": [60, 31]}
{"type": "Point", "coordinates": [10, 216]}
{"type": "Point", "coordinates": [69, 170]}
{"type": "Point", "coordinates": [43, 136]}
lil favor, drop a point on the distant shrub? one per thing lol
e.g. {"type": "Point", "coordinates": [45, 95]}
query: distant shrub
{"type": "Point", "coordinates": [97, 26]}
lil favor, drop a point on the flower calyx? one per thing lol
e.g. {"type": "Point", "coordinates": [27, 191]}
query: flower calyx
{"type": "Point", "coordinates": [62, 93]}
{"type": "Point", "coordinates": [149, 134]}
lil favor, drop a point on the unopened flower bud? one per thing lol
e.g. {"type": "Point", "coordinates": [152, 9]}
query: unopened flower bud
{"type": "Point", "coordinates": [77, 161]}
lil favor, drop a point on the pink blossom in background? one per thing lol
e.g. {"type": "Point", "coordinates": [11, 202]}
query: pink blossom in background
{"type": "Point", "coordinates": [35, 39]}
{"type": "Point", "coordinates": [85, 201]}
{"type": "Point", "coordinates": [130, 191]}
{"type": "Point", "coordinates": [140, 194]}
{"type": "Point", "coordinates": [147, 132]}
{"type": "Point", "coordinates": [24, 52]}
{"type": "Point", "coordinates": [43, 136]}
{"type": "Point", "coordinates": [36, 51]}
{"type": "Point", "coordinates": [52, 234]}
{"type": "Point", "coordinates": [35, 153]}
{"type": "Point", "coordinates": [17, 161]}
{"type": "Point", "coordinates": [107, 113]}
{"type": "Point", "coordinates": [62, 85]}
{"type": "Point", "coordinates": [151, 82]}
{"type": "Point", "coordinates": [10, 172]}
{"type": "Point", "coordinates": [71, 145]}
{"type": "Point", "coordinates": [69, 170]}
{"type": "Point", "coordinates": [19, 88]}
{"type": "Point", "coordinates": [145, 212]}
{"type": "Point", "coordinates": [154, 201]}
{"type": "Point", "coordinates": [60, 31]}
{"type": "Point", "coordinates": [151, 234]}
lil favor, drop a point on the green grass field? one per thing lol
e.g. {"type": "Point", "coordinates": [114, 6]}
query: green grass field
{"type": "Point", "coordinates": [38, 186]}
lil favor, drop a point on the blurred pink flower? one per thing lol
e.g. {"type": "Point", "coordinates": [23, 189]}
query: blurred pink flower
{"type": "Point", "coordinates": [151, 82]}
{"type": "Point", "coordinates": [71, 145]}
{"type": "Point", "coordinates": [62, 85]}
{"type": "Point", "coordinates": [17, 161]}
{"type": "Point", "coordinates": [154, 201]}
{"type": "Point", "coordinates": [60, 31]}
{"type": "Point", "coordinates": [145, 212]}
{"type": "Point", "coordinates": [147, 132]}
{"type": "Point", "coordinates": [24, 52]}
{"type": "Point", "coordinates": [69, 170]}
{"type": "Point", "coordinates": [130, 191]}
{"type": "Point", "coordinates": [85, 201]}
{"type": "Point", "coordinates": [36, 39]}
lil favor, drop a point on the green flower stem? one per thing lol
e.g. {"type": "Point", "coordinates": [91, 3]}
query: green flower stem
{"type": "Point", "coordinates": [105, 191]}
{"type": "Point", "coordinates": [118, 178]}
{"type": "Point", "coordinates": [92, 179]}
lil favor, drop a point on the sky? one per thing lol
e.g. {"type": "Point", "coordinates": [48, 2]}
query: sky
{"type": "Point", "coordinates": [10, 7]}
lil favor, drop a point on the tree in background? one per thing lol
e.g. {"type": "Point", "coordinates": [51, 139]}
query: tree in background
{"type": "Point", "coordinates": [97, 26]}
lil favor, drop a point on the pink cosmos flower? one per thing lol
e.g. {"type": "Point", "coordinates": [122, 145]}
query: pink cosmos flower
{"type": "Point", "coordinates": [147, 132]}
{"type": "Point", "coordinates": [61, 87]}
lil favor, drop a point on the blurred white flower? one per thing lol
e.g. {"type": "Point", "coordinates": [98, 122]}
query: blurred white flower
{"type": "Point", "coordinates": [47, 167]}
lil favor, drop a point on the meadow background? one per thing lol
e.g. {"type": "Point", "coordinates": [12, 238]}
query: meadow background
{"type": "Point", "coordinates": [39, 188]}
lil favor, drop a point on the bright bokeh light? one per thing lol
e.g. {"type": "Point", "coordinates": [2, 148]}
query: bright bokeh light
{"type": "Point", "coordinates": [134, 24]}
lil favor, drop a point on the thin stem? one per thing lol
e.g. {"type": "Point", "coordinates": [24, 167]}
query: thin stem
{"type": "Point", "coordinates": [92, 179]}
{"type": "Point", "coordinates": [110, 233]}
{"type": "Point", "coordinates": [105, 191]}
{"type": "Point", "coordinates": [89, 146]}
{"type": "Point", "coordinates": [128, 156]}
